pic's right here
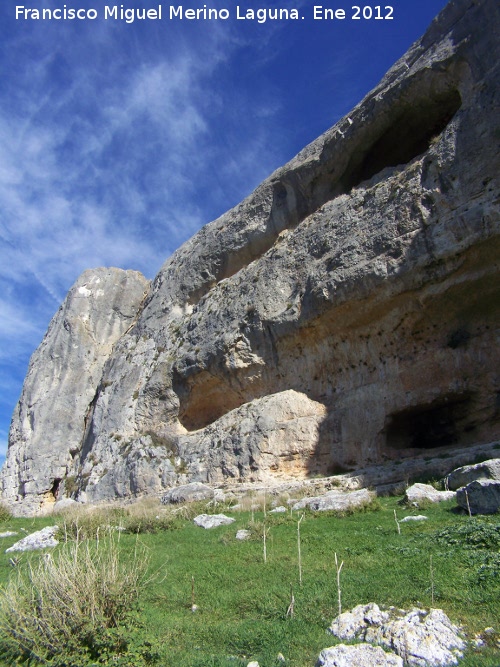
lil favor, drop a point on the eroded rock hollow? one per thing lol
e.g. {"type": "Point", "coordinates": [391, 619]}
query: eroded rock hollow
{"type": "Point", "coordinates": [344, 314]}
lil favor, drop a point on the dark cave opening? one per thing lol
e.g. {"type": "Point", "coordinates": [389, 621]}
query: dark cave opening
{"type": "Point", "coordinates": [439, 424]}
{"type": "Point", "coordinates": [409, 135]}
{"type": "Point", "coordinates": [55, 488]}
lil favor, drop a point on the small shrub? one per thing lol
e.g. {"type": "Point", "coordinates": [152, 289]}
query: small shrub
{"type": "Point", "coordinates": [430, 479]}
{"type": "Point", "coordinates": [5, 513]}
{"type": "Point", "coordinates": [372, 505]}
{"type": "Point", "coordinates": [256, 529]}
{"type": "Point", "coordinates": [166, 440]}
{"type": "Point", "coordinates": [148, 516]}
{"type": "Point", "coordinates": [488, 569]}
{"type": "Point", "coordinates": [71, 485]}
{"type": "Point", "coordinates": [72, 607]}
{"type": "Point", "coordinates": [476, 534]}
{"type": "Point", "coordinates": [253, 501]}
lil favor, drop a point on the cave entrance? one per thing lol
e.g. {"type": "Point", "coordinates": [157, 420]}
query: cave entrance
{"type": "Point", "coordinates": [438, 424]}
{"type": "Point", "coordinates": [409, 136]}
{"type": "Point", "coordinates": [55, 488]}
{"type": "Point", "coordinates": [204, 401]}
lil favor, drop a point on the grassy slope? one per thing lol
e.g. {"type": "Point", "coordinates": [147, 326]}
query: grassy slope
{"type": "Point", "coordinates": [242, 601]}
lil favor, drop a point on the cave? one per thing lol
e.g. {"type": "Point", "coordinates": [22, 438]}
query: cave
{"type": "Point", "coordinates": [409, 135]}
{"type": "Point", "coordinates": [55, 488]}
{"type": "Point", "coordinates": [442, 423]}
{"type": "Point", "coordinates": [204, 400]}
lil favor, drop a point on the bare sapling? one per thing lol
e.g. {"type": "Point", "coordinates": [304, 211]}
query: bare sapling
{"type": "Point", "coordinates": [291, 606]}
{"type": "Point", "coordinates": [339, 568]}
{"type": "Point", "coordinates": [264, 538]}
{"type": "Point", "coordinates": [194, 606]}
{"type": "Point", "coordinates": [467, 500]}
{"type": "Point", "coordinates": [397, 522]}
{"type": "Point", "coordinates": [298, 549]}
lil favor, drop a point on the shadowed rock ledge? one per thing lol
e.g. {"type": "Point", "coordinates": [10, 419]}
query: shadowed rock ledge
{"type": "Point", "coordinates": [343, 315]}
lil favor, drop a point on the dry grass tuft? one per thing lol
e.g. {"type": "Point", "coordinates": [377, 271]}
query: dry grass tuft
{"type": "Point", "coordinates": [5, 513]}
{"type": "Point", "coordinates": [89, 521]}
{"type": "Point", "coordinates": [57, 610]}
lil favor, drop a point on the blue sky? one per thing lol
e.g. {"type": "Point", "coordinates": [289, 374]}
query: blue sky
{"type": "Point", "coordinates": [119, 140]}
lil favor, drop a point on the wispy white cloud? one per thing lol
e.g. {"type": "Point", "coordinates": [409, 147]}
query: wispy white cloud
{"type": "Point", "coordinates": [81, 190]}
{"type": "Point", "coordinates": [13, 324]}
{"type": "Point", "coordinates": [114, 150]}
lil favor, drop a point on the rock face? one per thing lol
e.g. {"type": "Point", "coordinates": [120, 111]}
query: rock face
{"type": "Point", "coordinates": [342, 315]}
{"type": "Point", "coordinates": [49, 428]}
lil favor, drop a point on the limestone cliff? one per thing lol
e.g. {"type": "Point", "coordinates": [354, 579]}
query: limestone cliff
{"type": "Point", "coordinates": [64, 377]}
{"type": "Point", "coordinates": [345, 313]}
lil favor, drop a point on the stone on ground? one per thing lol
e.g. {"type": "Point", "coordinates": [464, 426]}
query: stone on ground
{"type": "Point", "coordinates": [64, 504]}
{"type": "Point", "coordinates": [419, 494]}
{"type": "Point", "coordinates": [243, 534]}
{"type": "Point", "coordinates": [481, 496]}
{"type": "Point", "coordinates": [359, 655]}
{"type": "Point", "coordinates": [40, 540]}
{"type": "Point", "coordinates": [212, 520]}
{"type": "Point", "coordinates": [336, 500]}
{"type": "Point", "coordinates": [187, 493]}
{"type": "Point", "coordinates": [467, 474]}
{"type": "Point", "coordinates": [350, 624]}
{"type": "Point", "coordinates": [422, 638]}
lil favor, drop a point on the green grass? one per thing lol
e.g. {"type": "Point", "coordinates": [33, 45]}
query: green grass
{"type": "Point", "coordinates": [242, 601]}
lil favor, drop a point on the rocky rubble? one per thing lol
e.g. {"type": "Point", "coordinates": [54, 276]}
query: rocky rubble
{"type": "Point", "coordinates": [342, 316]}
{"type": "Point", "coordinates": [421, 638]}
{"type": "Point", "coordinates": [359, 655]}
{"type": "Point", "coordinates": [41, 539]}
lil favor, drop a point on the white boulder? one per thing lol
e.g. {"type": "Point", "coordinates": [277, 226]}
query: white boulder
{"type": "Point", "coordinates": [42, 539]}
{"type": "Point", "coordinates": [212, 520]}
